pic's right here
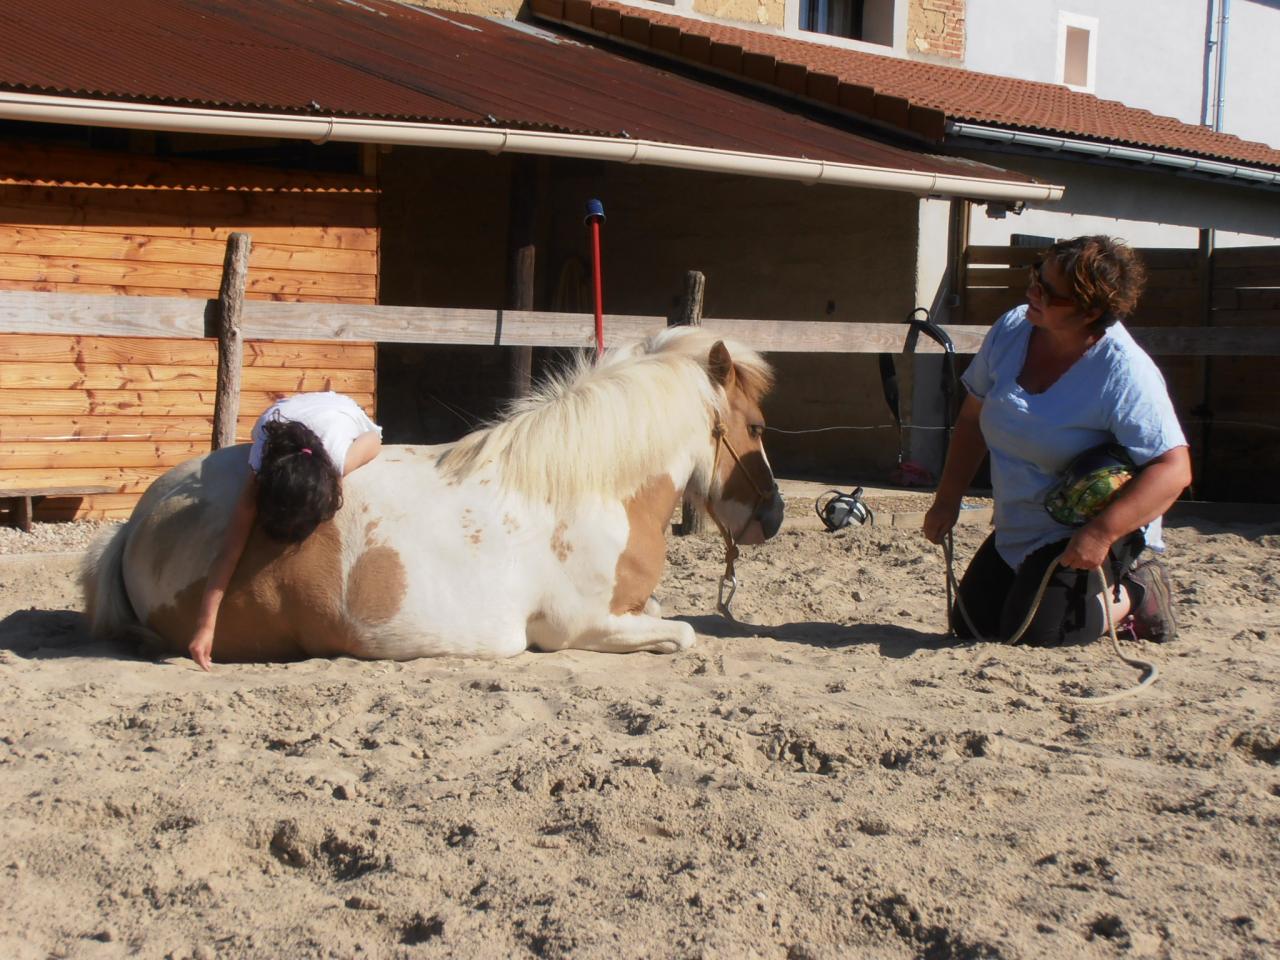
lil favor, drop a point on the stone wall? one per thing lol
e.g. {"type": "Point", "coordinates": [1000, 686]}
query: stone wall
{"type": "Point", "coordinates": [756, 12]}
{"type": "Point", "coordinates": [936, 27]}
{"type": "Point", "coordinates": [506, 9]}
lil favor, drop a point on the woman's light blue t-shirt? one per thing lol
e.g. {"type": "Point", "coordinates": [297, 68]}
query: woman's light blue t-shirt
{"type": "Point", "coordinates": [1115, 391]}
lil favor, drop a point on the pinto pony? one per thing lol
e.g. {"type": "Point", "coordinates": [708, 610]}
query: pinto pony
{"type": "Point", "coordinates": [546, 530]}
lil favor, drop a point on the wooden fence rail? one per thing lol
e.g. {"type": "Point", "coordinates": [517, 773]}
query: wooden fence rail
{"type": "Point", "coordinates": [75, 314]}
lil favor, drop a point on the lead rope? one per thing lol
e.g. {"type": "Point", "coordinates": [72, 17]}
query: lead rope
{"type": "Point", "coordinates": [953, 590]}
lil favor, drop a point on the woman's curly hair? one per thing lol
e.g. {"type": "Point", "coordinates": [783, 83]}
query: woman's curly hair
{"type": "Point", "coordinates": [299, 487]}
{"type": "Point", "coordinates": [1105, 274]}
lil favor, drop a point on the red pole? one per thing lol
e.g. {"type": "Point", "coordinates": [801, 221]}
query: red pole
{"type": "Point", "coordinates": [595, 217]}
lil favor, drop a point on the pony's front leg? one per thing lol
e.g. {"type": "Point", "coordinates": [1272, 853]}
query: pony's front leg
{"type": "Point", "coordinates": [635, 632]}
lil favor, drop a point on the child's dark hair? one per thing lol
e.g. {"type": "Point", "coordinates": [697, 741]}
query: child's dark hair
{"type": "Point", "coordinates": [299, 487]}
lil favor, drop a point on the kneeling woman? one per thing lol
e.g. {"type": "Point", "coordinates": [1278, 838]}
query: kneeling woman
{"type": "Point", "coordinates": [1054, 378]}
{"type": "Point", "coordinates": [302, 448]}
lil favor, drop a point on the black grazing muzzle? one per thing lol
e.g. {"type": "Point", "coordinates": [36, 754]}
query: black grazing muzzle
{"type": "Point", "coordinates": [769, 513]}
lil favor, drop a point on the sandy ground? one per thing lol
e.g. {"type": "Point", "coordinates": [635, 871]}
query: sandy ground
{"type": "Point", "coordinates": [834, 781]}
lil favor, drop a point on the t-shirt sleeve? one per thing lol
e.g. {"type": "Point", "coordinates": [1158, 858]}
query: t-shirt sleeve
{"type": "Point", "coordinates": [362, 420]}
{"type": "Point", "coordinates": [351, 422]}
{"type": "Point", "coordinates": [979, 377]}
{"type": "Point", "coordinates": [1143, 420]}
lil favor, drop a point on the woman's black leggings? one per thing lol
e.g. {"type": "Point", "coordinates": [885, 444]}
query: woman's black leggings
{"type": "Point", "coordinates": [997, 597]}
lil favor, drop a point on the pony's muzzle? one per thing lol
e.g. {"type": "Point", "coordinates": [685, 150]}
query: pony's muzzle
{"type": "Point", "coordinates": [770, 514]}
{"type": "Point", "coordinates": [767, 517]}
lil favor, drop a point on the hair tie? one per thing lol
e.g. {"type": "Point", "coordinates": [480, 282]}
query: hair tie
{"type": "Point", "coordinates": [307, 451]}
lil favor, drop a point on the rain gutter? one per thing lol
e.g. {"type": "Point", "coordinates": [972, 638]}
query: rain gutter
{"type": "Point", "coordinates": [1109, 151]}
{"type": "Point", "coordinates": [319, 129]}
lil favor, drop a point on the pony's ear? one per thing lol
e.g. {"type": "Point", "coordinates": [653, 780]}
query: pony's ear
{"type": "Point", "coordinates": [720, 364]}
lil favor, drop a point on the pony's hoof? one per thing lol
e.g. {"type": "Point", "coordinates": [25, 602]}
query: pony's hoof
{"type": "Point", "coordinates": [652, 607]}
{"type": "Point", "coordinates": [684, 639]}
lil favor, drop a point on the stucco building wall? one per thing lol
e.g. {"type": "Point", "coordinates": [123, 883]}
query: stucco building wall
{"type": "Point", "coordinates": [769, 250]}
{"type": "Point", "coordinates": [936, 27]}
{"type": "Point", "coordinates": [1145, 207]}
{"type": "Point", "coordinates": [759, 12]}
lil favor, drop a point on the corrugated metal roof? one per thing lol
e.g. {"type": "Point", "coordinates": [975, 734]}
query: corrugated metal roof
{"type": "Point", "coordinates": [901, 92]}
{"type": "Point", "coordinates": [387, 60]}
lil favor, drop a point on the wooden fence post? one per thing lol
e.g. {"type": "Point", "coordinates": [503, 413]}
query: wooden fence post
{"type": "Point", "coordinates": [226, 404]}
{"type": "Point", "coordinates": [522, 260]}
{"type": "Point", "coordinates": [695, 286]}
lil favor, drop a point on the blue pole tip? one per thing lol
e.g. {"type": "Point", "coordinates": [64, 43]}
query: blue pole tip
{"type": "Point", "coordinates": [595, 211]}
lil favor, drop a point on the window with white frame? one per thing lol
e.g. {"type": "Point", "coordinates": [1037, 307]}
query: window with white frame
{"type": "Point", "coordinates": [1077, 51]}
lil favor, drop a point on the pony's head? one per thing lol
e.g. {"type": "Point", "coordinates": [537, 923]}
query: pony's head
{"type": "Point", "coordinates": [732, 478]}
{"type": "Point", "coordinates": [742, 494]}
{"type": "Point", "coordinates": [681, 401]}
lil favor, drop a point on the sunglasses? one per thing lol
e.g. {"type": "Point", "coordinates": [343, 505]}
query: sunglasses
{"type": "Point", "coordinates": [1046, 293]}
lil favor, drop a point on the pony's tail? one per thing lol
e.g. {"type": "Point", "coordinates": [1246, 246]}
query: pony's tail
{"type": "Point", "coordinates": [106, 603]}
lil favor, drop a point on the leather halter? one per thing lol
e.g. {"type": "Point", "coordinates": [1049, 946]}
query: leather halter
{"type": "Point", "coordinates": [728, 579]}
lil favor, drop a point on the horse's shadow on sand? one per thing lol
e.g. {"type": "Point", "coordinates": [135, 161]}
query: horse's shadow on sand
{"type": "Point", "coordinates": [50, 634]}
{"type": "Point", "coordinates": [53, 634]}
{"type": "Point", "coordinates": [894, 641]}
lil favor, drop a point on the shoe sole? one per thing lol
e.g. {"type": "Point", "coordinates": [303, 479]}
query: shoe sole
{"type": "Point", "coordinates": [1159, 585]}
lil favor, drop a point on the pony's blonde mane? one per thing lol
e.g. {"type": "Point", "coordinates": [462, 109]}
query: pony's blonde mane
{"type": "Point", "coordinates": [604, 428]}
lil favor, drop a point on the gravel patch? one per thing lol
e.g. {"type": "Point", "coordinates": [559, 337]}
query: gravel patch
{"type": "Point", "coordinates": [53, 537]}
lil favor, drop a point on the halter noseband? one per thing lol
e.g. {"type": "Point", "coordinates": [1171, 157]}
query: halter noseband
{"type": "Point", "coordinates": [729, 581]}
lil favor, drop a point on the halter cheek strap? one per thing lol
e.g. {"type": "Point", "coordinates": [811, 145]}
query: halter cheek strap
{"type": "Point", "coordinates": [729, 580]}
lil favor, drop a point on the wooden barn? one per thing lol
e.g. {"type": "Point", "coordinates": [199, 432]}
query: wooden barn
{"type": "Point", "coordinates": [99, 417]}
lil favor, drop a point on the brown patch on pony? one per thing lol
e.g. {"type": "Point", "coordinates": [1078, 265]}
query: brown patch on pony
{"type": "Point", "coordinates": [376, 585]}
{"type": "Point", "coordinates": [474, 533]}
{"type": "Point", "coordinates": [640, 564]}
{"type": "Point", "coordinates": [559, 545]}
{"type": "Point", "coordinates": [282, 604]}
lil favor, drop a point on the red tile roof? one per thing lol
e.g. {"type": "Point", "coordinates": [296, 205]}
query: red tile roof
{"type": "Point", "coordinates": [388, 60]}
{"type": "Point", "coordinates": [909, 94]}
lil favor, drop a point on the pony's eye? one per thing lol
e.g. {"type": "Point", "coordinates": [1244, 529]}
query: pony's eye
{"type": "Point", "coordinates": [756, 430]}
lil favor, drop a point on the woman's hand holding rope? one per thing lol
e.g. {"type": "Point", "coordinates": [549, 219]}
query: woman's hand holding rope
{"type": "Point", "coordinates": [1087, 548]}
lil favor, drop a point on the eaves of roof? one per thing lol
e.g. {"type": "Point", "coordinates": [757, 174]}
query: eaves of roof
{"type": "Point", "coordinates": [917, 97]}
{"type": "Point", "coordinates": [396, 73]}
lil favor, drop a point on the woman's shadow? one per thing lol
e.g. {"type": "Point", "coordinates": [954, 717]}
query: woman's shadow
{"type": "Point", "coordinates": [894, 641]}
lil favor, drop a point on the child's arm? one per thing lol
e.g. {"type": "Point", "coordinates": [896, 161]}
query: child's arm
{"type": "Point", "coordinates": [224, 565]}
{"type": "Point", "coordinates": [363, 449]}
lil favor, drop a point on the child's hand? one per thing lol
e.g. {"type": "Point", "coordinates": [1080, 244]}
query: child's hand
{"type": "Point", "coordinates": [201, 648]}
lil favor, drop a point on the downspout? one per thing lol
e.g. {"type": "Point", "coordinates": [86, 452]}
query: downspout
{"type": "Point", "coordinates": [1220, 70]}
{"type": "Point", "coordinates": [141, 116]}
{"type": "Point", "coordinates": [1208, 243]}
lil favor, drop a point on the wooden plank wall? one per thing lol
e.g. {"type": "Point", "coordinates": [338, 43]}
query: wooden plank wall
{"type": "Point", "coordinates": [1242, 432]}
{"type": "Point", "coordinates": [119, 411]}
{"type": "Point", "coordinates": [1229, 405]}
{"type": "Point", "coordinates": [82, 221]}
